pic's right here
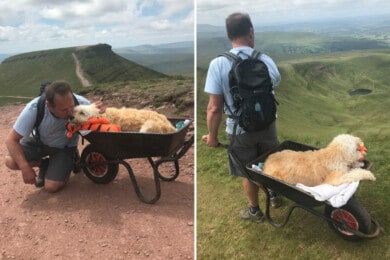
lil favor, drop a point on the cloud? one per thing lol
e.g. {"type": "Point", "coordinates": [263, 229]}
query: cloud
{"type": "Point", "coordinates": [269, 12]}
{"type": "Point", "coordinates": [43, 24]}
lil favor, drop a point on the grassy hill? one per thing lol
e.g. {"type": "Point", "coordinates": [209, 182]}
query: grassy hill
{"type": "Point", "coordinates": [285, 45]}
{"type": "Point", "coordinates": [170, 59]}
{"type": "Point", "coordinates": [21, 75]}
{"type": "Point", "coordinates": [101, 65]}
{"type": "Point", "coordinates": [315, 105]}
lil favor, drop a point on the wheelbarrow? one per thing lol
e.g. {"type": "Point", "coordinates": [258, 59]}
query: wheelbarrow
{"type": "Point", "coordinates": [101, 158]}
{"type": "Point", "coordinates": [351, 221]}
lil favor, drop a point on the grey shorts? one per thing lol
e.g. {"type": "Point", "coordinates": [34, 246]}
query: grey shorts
{"type": "Point", "coordinates": [60, 160]}
{"type": "Point", "coordinates": [248, 146]}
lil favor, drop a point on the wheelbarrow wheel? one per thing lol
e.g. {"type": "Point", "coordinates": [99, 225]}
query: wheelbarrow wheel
{"type": "Point", "coordinates": [102, 172]}
{"type": "Point", "coordinates": [352, 214]}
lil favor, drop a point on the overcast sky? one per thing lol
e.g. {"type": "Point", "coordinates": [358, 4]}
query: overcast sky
{"type": "Point", "coordinates": [29, 25]}
{"type": "Point", "coordinates": [269, 12]}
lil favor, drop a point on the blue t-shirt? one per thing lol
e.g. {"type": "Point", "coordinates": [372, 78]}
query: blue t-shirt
{"type": "Point", "coordinates": [217, 80]}
{"type": "Point", "coordinates": [52, 130]}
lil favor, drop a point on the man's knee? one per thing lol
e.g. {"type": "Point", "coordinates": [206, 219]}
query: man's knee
{"type": "Point", "coordinates": [53, 186]}
{"type": "Point", "coordinates": [10, 163]}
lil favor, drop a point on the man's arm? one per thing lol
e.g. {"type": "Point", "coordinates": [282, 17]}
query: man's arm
{"type": "Point", "coordinates": [17, 158]}
{"type": "Point", "coordinates": [214, 117]}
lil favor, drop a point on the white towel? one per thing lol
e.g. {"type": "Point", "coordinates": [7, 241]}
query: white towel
{"type": "Point", "coordinates": [84, 132]}
{"type": "Point", "coordinates": [337, 196]}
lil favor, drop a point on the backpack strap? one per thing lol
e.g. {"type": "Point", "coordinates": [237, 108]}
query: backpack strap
{"type": "Point", "coordinates": [255, 54]}
{"type": "Point", "coordinates": [231, 56]}
{"type": "Point", "coordinates": [41, 113]}
{"type": "Point", "coordinates": [235, 59]}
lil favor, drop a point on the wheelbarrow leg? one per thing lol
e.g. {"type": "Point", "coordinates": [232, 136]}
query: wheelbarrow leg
{"type": "Point", "coordinates": [235, 160]}
{"type": "Point", "coordinates": [136, 186]}
{"type": "Point", "coordinates": [174, 157]}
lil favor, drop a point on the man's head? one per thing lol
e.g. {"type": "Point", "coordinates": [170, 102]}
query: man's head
{"type": "Point", "coordinates": [239, 28]}
{"type": "Point", "coordinates": [60, 99]}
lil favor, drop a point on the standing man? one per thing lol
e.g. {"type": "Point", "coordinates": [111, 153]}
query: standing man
{"type": "Point", "coordinates": [247, 146]}
{"type": "Point", "coordinates": [51, 150]}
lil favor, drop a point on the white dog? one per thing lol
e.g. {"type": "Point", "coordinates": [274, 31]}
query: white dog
{"type": "Point", "coordinates": [129, 119]}
{"type": "Point", "coordinates": [340, 162]}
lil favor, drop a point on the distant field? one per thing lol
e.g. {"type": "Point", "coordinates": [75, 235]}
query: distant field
{"type": "Point", "coordinates": [283, 45]}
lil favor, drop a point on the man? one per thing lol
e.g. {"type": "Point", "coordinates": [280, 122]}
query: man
{"type": "Point", "coordinates": [246, 145]}
{"type": "Point", "coordinates": [26, 151]}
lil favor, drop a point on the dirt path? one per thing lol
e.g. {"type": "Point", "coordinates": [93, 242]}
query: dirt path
{"type": "Point", "coordinates": [79, 72]}
{"type": "Point", "coordinates": [91, 221]}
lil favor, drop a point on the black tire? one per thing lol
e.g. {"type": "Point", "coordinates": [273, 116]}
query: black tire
{"type": "Point", "coordinates": [354, 215]}
{"type": "Point", "coordinates": [103, 173]}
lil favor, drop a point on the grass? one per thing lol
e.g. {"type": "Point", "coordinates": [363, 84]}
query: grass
{"type": "Point", "coordinates": [314, 107]}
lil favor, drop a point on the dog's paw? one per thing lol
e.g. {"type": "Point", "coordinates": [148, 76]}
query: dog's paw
{"type": "Point", "coordinates": [363, 174]}
{"type": "Point", "coordinates": [369, 176]}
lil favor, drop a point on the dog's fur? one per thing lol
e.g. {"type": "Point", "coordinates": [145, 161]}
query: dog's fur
{"type": "Point", "coordinates": [129, 119]}
{"type": "Point", "coordinates": [340, 162]}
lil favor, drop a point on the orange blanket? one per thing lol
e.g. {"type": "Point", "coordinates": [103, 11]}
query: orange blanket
{"type": "Point", "coordinates": [100, 124]}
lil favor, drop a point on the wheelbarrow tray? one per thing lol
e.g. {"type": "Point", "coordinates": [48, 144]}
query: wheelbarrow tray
{"type": "Point", "coordinates": [126, 145]}
{"type": "Point", "coordinates": [301, 198]}
{"type": "Point", "coordinates": [295, 194]}
{"type": "Point", "coordinates": [285, 189]}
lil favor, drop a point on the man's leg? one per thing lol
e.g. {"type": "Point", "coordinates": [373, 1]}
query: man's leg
{"type": "Point", "coordinates": [32, 152]}
{"type": "Point", "coordinates": [252, 212]}
{"type": "Point", "coordinates": [251, 191]}
{"type": "Point", "coordinates": [58, 171]}
{"type": "Point", "coordinates": [11, 164]}
{"type": "Point", "coordinates": [54, 186]}
{"type": "Point", "coordinates": [243, 150]}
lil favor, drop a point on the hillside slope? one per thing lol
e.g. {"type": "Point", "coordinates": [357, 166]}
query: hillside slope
{"type": "Point", "coordinates": [315, 99]}
{"type": "Point", "coordinates": [26, 71]}
{"type": "Point", "coordinates": [101, 65]}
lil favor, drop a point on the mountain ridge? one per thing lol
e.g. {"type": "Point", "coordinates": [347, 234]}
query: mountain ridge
{"type": "Point", "coordinates": [98, 63]}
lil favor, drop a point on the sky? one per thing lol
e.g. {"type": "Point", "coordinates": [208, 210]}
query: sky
{"type": "Point", "coordinates": [273, 12]}
{"type": "Point", "coordinates": [30, 25]}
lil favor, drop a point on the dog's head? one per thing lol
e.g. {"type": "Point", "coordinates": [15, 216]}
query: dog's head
{"type": "Point", "coordinates": [350, 147]}
{"type": "Point", "coordinates": [82, 113]}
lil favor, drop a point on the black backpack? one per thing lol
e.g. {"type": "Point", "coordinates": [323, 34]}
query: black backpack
{"type": "Point", "coordinates": [252, 92]}
{"type": "Point", "coordinates": [41, 108]}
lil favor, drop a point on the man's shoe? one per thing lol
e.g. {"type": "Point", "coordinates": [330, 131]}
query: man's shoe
{"type": "Point", "coordinates": [257, 217]}
{"type": "Point", "coordinates": [40, 182]}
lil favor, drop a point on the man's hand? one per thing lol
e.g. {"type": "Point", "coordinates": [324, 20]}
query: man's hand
{"type": "Point", "coordinates": [29, 175]}
{"type": "Point", "coordinates": [210, 141]}
{"type": "Point", "coordinates": [99, 105]}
